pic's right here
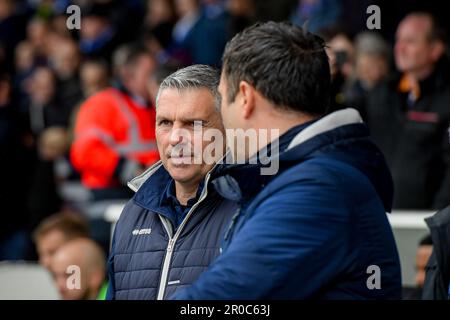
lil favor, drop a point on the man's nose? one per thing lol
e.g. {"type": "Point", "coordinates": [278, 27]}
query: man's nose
{"type": "Point", "coordinates": [176, 136]}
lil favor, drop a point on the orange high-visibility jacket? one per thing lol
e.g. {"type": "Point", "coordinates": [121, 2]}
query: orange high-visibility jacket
{"type": "Point", "coordinates": [111, 126]}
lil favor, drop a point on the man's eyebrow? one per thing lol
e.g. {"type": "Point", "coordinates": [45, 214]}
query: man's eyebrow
{"type": "Point", "coordinates": [188, 119]}
{"type": "Point", "coordinates": [161, 117]}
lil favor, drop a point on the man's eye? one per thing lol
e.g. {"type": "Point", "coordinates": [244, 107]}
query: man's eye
{"type": "Point", "coordinates": [164, 123]}
{"type": "Point", "coordinates": [196, 123]}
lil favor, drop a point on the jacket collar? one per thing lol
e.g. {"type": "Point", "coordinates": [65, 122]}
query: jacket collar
{"type": "Point", "coordinates": [136, 183]}
{"type": "Point", "coordinates": [234, 183]}
{"type": "Point", "coordinates": [330, 122]}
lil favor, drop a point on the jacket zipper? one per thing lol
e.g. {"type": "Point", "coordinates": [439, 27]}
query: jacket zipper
{"type": "Point", "coordinates": [172, 240]}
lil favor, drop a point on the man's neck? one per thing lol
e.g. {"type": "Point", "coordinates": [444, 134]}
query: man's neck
{"type": "Point", "coordinates": [281, 122]}
{"type": "Point", "coordinates": [185, 192]}
{"type": "Point", "coordinates": [420, 75]}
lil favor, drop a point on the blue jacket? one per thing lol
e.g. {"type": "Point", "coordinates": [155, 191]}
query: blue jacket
{"type": "Point", "coordinates": [314, 230]}
{"type": "Point", "coordinates": [150, 258]}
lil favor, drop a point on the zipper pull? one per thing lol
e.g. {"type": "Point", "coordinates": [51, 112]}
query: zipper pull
{"type": "Point", "coordinates": [170, 245]}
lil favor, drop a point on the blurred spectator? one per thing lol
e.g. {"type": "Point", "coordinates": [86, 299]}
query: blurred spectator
{"type": "Point", "coordinates": [371, 67]}
{"type": "Point", "coordinates": [114, 129]}
{"type": "Point", "coordinates": [242, 15]}
{"type": "Point", "coordinates": [24, 58]}
{"type": "Point", "coordinates": [409, 116]}
{"type": "Point", "coordinates": [65, 61]}
{"type": "Point", "coordinates": [98, 36]}
{"type": "Point", "coordinates": [90, 259]}
{"type": "Point", "coordinates": [197, 25]}
{"type": "Point", "coordinates": [44, 110]}
{"type": "Point", "coordinates": [319, 14]}
{"type": "Point", "coordinates": [13, 237]}
{"type": "Point", "coordinates": [341, 54]}
{"type": "Point", "coordinates": [94, 77]}
{"type": "Point", "coordinates": [114, 136]}
{"type": "Point", "coordinates": [159, 23]}
{"type": "Point", "coordinates": [37, 34]}
{"type": "Point", "coordinates": [12, 31]}
{"type": "Point", "coordinates": [372, 59]}
{"type": "Point", "coordinates": [55, 231]}
{"type": "Point", "coordinates": [59, 25]}
{"type": "Point", "coordinates": [53, 143]}
{"type": "Point", "coordinates": [437, 272]}
{"type": "Point", "coordinates": [423, 254]}
{"type": "Point", "coordinates": [24, 65]}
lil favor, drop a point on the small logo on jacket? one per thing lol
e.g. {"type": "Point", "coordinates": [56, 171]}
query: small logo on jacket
{"type": "Point", "coordinates": [138, 232]}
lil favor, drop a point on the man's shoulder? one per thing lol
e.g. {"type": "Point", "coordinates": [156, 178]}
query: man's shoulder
{"type": "Point", "coordinates": [321, 168]}
{"type": "Point", "coordinates": [325, 177]}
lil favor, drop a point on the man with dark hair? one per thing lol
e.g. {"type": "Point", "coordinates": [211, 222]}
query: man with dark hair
{"type": "Point", "coordinates": [423, 254]}
{"type": "Point", "coordinates": [317, 226]}
{"type": "Point", "coordinates": [56, 230]}
{"type": "Point", "coordinates": [409, 115]}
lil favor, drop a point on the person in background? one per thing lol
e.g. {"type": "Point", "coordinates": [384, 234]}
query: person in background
{"type": "Point", "coordinates": [318, 14]}
{"type": "Point", "coordinates": [341, 55]}
{"type": "Point", "coordinates": [89, 260]}
{"type": "Point", "coordinates": [372, 56]}
{"type": "Point", "coordinates": [55, 231]}
{"type": "Point", "coordinates": [94, 77]}
{"type": "Point", "coordinates": [114, 130]}
{"type": "Point", "coordinates": [98, 36]}
{"type": "Point", "coordinates": [197, 23]}
{"type": "Point", "coordinates": [409, 115]}
{"type": "Point", "coordinates": [372, 59]}
{"type": "Point", "coordinates": [158, 25]}
{"type": "Point", "coordinates": [13, 236]}
{"type": "Point", "coordinates": [437, 271]}
{"type": "Point", "coordinates": [65, 61]}
{"type": "Point", "coordinates": [423, 254]}
{"type": "Point", "coordinates": [114, 137]}
{"type": "Point", "coordinates": [171, 230]}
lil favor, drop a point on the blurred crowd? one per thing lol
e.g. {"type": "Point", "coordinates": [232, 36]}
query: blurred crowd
{"type": "Point", "coordinates": [56, 158]}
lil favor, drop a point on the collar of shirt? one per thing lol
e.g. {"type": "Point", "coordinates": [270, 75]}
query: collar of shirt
{"type": "Point", "coordinates": [180, 211]}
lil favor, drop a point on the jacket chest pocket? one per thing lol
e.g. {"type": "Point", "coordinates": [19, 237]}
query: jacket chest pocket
{"type": "Point", "coordinates": [424, 130]}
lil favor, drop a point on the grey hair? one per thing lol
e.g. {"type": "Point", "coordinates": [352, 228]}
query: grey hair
{"type": "Point", "coordinates": [368, 42]}
{"type": "Point", "coordinates": [196, 76]}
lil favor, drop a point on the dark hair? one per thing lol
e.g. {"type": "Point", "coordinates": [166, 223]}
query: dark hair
{"type": "Point", "coordinates": [286, 64]}
{"type": "Point", "coordinates": [72, 225]}
{"type": "Point", "coordinates": [133, 52]}
{"type": "Point", "coordinates": [426, 241]}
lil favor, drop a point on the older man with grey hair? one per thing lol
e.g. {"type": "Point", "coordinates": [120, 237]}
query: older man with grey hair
{"type": "Point", "coordinates": [171, 230]}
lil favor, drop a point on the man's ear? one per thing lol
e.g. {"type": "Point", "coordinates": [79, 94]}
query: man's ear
{"type": "Point", "coordinates": [247, 93]}
{"type": "Point", "coordinates": [437, 50]}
